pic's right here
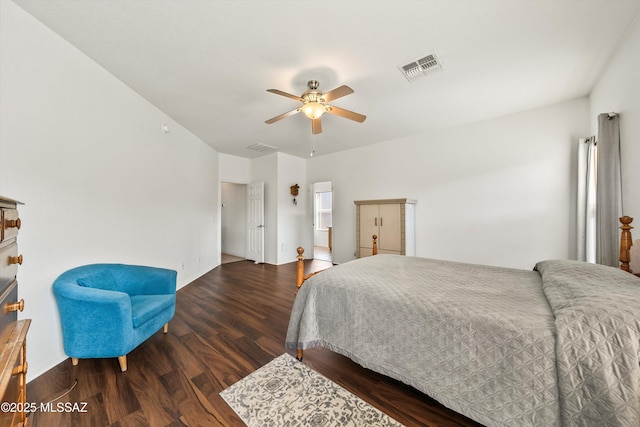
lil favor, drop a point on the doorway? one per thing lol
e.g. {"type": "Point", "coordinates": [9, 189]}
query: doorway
{"type": "Point", "coordinates": [233, 222]}
{"type": "Point", "coordinates": [323, 221]}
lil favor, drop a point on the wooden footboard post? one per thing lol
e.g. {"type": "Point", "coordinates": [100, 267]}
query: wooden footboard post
{"type": "Point", "coordinates": [375, 245]}
{"type": "Point", "coordinates": [299, 281]}
{"type": "Point", "coordinates": [625, 242]}
{"type": "Point", "coordinates": [300, 272]}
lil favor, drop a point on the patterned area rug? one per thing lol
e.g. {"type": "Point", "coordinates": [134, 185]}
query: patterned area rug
{"type": "Point", "coordinates": [285, 392]}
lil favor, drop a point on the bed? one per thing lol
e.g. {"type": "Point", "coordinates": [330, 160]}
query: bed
{"type": "Point", "coordinates": [558, 345]}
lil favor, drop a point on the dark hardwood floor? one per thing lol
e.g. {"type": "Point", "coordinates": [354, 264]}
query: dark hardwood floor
{"type": "Point", "coordinates": [228, 323]}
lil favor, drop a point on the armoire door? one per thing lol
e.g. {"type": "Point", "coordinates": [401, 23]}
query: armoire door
{"type": "Point", "coordinates": [389, 228]}
{"type": "Point", "coordinates": [368, 226]}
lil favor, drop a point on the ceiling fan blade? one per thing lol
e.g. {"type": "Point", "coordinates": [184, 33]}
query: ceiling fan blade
{"type": "Point", "coordinates": [346, 113]}
{"type": "Point", "coordinates": [288, 95]}
{"type": "Point", "coordinates": [283, 115]}
{"type": "Point", "coordinates": [316, 126]}
{"type": "Point", "coordinates": [336, 93]}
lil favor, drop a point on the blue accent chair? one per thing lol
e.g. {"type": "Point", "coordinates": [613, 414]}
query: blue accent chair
{"type": "Point", "coordinates": [107, 310]}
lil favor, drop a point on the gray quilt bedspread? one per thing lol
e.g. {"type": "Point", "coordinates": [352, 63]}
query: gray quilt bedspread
{"type": "Point", "coordinates": [482, 340]}
{"type": "Point", "coordinates": [597, 318]}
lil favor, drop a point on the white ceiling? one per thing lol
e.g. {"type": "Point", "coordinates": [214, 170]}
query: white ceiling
{"type": "Point", "coordinates": [207, 63]}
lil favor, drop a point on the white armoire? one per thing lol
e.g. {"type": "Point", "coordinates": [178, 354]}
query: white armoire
{"type": "Point", "coordinates": [392, 220]}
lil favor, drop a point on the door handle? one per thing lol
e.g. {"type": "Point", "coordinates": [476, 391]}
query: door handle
{"type": "Point", "coordinates": [380, 221]}
{"type": "Point", "coordinates": [261, 226]}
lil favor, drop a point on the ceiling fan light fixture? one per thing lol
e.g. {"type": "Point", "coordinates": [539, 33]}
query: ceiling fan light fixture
{"type": "Point", "coordinates": [313, 110]}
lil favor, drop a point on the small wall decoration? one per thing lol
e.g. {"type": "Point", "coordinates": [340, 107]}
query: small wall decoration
{"type": "Point", "coordinates": [294, 192]}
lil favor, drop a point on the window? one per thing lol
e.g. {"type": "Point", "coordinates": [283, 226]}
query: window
{"type": "Point", "coordinates": [323, 206]}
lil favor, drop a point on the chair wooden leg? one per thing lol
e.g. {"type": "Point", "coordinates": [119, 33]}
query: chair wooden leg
{"type": "Point", "coordinates": [123, 362]}
{"type": "Point", "coordinates": [166, 327]}
{"type": "Point", "coordinates": [74, 361]}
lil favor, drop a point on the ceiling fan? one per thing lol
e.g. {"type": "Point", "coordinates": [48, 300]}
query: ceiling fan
{"type": "Point", "coordinates": [314, 105]}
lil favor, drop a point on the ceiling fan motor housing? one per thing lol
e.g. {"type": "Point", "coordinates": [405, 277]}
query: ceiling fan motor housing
{"type": "Point", "coordinates": [313, 94]}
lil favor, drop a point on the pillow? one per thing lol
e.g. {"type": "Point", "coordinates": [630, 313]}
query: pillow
{"type": "Point", "coordinates": [99, 280]}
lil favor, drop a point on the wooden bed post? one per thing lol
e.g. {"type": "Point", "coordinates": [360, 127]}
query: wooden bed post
{"type": "Point", "coordinates": [299, 281]}
{"type": "Point", "coordinates": [375, 245]}
{"type": "Point", "coordinates": [300, 271]}
{"type": "Point", "coordinates": [625, 242]}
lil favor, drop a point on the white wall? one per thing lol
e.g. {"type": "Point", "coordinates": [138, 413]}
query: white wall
{"type": "Point", "coordinates": [100, 181]}
{"type": "Point", "coordinates": [294, 224]}
{"type": "Point", "coordinates": [619, 90]}
{"type": "Point", "coordinates": [234, 169]}
{"type": "Point", "coordinates": [497, 192]}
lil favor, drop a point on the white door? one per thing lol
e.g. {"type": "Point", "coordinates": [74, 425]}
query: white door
{"type": "Point", "coordinates": [255, 222]}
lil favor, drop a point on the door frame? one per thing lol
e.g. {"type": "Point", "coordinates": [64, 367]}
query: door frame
{"type": "Point", "coordinates": [325, 186]}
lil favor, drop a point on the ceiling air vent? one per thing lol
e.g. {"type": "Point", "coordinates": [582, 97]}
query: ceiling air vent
{"type": "Point", "coordinates": [262, 148]}
{"type": "Point", "coordinates": [421, 67]}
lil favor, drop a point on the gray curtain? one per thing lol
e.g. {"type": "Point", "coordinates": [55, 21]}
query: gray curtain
{"type": "Point", "coordinates": [609, 190]}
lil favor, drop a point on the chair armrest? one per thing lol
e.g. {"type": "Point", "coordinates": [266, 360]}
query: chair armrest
{"type": "Point", "coordinates": [74, 300]}
{"type": "Point", "coordinates": [94, 321]}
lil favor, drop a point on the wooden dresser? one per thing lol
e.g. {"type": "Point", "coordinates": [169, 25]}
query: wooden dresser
{"type": "Point", "coordinates": [13, 332]}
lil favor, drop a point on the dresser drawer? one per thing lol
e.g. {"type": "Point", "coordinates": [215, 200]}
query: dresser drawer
{"type": "Point", "coordinates": [9, 261]}
{"type": "Point", "coordinates": [9, 224]}
{"type": "Point", "coordinates": [13, 377]}
{"type": "Point", "coordinates": [8, 308]}
{"type": "Point", "coordinates": [13, 398]}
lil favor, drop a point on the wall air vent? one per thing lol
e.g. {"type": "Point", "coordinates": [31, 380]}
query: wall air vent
{"type": "Point", "coordinates": [262, 148]}
{"type": "Point", "coordinates": [421, 67]}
